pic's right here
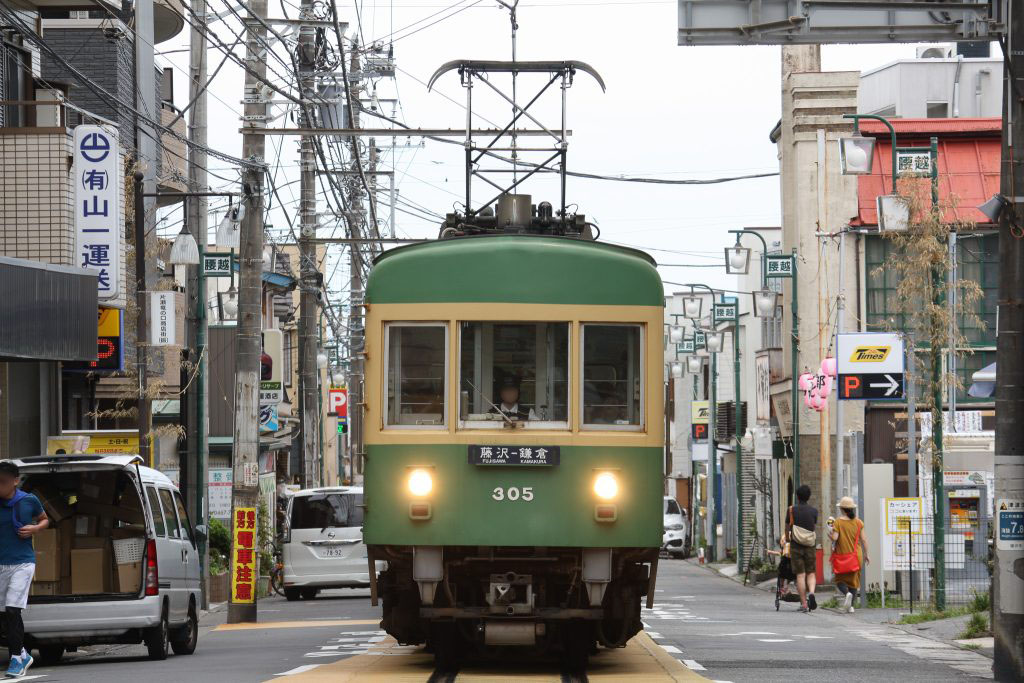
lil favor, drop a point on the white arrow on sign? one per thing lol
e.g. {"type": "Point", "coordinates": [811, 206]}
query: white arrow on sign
{"type": "Point", "coordinates": [892, 384]}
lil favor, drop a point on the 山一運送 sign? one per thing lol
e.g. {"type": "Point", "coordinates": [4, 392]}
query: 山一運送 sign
{"type": "Point", "coordinates": [96, 174]}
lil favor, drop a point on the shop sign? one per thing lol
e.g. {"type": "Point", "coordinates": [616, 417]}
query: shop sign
{"type": "Point", "coordinates": [271, 374]}
{"type": "Point", "coordinates": [1010, 513]}
{"type": "Point", "coordinates": [96, 174]}
{"type": "Point", "coordinates": [217, 265]}
{"type": "Point", "coordinates": [162, 322]}
{"type": "Point", "coordinates": [779, 266]}
{"type": "Point", "coordinates": [244, 568]}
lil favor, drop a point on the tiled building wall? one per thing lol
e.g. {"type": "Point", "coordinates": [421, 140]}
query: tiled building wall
{"type": "Point", "coordinates": [35, 201]}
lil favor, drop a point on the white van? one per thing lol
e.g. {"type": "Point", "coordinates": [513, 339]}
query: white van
{"type": "Point", "coordinates": [323, 542]}
{"type": "Point", "coordinates": [119, 563]}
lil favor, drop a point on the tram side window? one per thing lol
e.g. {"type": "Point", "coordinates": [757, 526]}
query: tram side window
{"type": "Point", "coordinates": [416, 375]}
{"type": "Point", "coordinates": [514, 372]}
{"type": "Point", "coordinates": [612, 380]}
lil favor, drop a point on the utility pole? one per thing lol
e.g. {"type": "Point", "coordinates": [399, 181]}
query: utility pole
{"type": "Point", "coordinates": [1008, 579]}
{"type": "Point", "coordinates": [310, 286]}
{"type": "Point", "coordinates": [198, 417]}
{"type": "Point", "coordinates": [245, 465]}
{"type": "Point", "coordinates": [356, 338]}
{"type": "Point", "coordinates": [145, 408]}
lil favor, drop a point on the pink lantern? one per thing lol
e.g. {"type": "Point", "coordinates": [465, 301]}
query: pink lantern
{"type": "Point", "coordinates": [807, 399]}
{"type": "Point", "coordinates": [806, 381]}
{"type": "Point", "coordinates": [828, 367]}
{"type": "Point", "coordinates": [818, 402]}
{"type": "Point", "coordinates": [824, 385]}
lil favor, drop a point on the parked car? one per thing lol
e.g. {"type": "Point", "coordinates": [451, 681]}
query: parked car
{"type": "Point", "coordinates": [323, 542]}
{"type": "Point", "coordinates": [676, 538]}
{"type": "Point", "coordinates": [119, 563]}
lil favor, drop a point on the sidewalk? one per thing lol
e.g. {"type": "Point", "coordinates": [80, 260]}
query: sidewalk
{"type": "Point", "coordinates": [942, 630]}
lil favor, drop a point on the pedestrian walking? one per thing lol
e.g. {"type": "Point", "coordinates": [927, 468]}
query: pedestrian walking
{"type": "Point", "coordinates": [847, 534]}
{"type": "Point", "coordinates": [21, 516]}
{"type": "Point", "coordinates": [801, 520]}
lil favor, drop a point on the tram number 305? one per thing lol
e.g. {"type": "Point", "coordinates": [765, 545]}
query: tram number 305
{"type": "Point", "coordinates": [513, 493]}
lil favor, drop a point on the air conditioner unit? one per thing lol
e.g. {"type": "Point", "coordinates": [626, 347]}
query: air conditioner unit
{"type": "Point", "coordinates": [936, 52]}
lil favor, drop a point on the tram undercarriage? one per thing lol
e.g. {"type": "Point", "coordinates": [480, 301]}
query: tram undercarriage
{"type": "Point", "coordinates": [541, 600]}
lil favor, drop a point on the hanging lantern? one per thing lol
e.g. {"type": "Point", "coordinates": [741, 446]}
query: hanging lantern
{"type": "Point", "coordinates": [825, 385]}
{"type": "Point", "coordinates": [828, 367]}
{"type": "Point", "coordinates": [806, 381]}
{"type": "Point", "coordinates": [807, 399]}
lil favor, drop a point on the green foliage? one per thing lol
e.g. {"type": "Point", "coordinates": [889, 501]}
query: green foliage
{"type": "Point", "coordinates": [930, 614]}
{"type": "Point", "coordinates": [976, 627]}
{"type": "Point", "coordinates": [220, 538]}
{"type": "Point", "coordinates": [832, 603]}
{"type": "Point", "coordinates": [218, 562]}
{"type": "Point", "coordinates": [980, 602]}
{"type": "Point", "coordinates": [264, 542]}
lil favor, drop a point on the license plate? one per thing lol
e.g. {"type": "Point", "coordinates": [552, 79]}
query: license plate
{"type": "Point", "coordinates": [331, 552]}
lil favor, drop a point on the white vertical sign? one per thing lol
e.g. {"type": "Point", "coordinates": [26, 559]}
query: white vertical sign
{"type": "Point", "coordinates": [161, 319]}
{"type": "Point", "coordinates": [97, 177]}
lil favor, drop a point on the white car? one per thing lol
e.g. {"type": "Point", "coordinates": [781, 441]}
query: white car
{"type": "Point", "coordinates": [323, 542]}
{"type": "Point", "coordinates": [676, 536]}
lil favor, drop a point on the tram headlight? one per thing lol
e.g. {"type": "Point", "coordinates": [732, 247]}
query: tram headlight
{"type": "Point", "coordinates": [606, 486]}
{"type": "Point", "coordinates": [420, 482]}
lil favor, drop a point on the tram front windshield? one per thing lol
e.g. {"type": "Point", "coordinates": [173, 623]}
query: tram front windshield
{"type": "Point", "coordinates": [514, 372]}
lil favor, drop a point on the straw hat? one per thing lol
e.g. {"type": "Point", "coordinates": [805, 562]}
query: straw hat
{"type": "Point", "coordinates": [846, 503]}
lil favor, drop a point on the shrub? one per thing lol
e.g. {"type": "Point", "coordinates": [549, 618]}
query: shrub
{"type": "Point", "coordinates": [976, 627]}
{"type": "Point", "coordinates": [980, 601]}
{"type": "Point", "coordinates": [220, 539]}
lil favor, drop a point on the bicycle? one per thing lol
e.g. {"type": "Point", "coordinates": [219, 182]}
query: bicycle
{"type": "Point", "coordinates": [277, 573]}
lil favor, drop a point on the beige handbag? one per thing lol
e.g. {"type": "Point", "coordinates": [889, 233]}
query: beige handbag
{"type": "Point", "coordinates": [799, 534]}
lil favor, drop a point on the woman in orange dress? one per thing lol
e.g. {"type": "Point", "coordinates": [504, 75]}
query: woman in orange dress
{"type": "Point", "coordinates": [848, 537]}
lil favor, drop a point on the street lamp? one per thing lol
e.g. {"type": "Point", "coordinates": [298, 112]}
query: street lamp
{"type": "Point", "coordinates": [185, 250]}
{"type": "Point", "coordinates": [321, 360]}
{"type": "Point", "coordinates": [675, 334]}
{"type": "Point", "coordinates": [737, 259]}
{"type": "Point", "coordinates": [764, 303]}
{"type": "Point", "coordinates": [228, 303]}
{"type": "Point", "coordinates": [713, 340]}
{"type": "Point", "coordinates": [856, 154]}
{"type": "Point", "coordinates": [694, 364]}
{"type": "Point", "coordinates": [692, 306]}
{"type": "Point", "coordinates": [676, 368]}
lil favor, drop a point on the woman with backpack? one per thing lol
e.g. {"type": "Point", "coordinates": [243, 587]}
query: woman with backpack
{"type": "Point", "coordinates": [847, 534]}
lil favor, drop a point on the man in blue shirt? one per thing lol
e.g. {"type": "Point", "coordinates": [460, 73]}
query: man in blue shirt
{"type": "Point", "coordinates": [21, 516]}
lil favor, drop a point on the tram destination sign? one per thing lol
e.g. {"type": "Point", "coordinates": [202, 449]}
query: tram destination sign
{"type": "Point", "coordinates": [514, 455]}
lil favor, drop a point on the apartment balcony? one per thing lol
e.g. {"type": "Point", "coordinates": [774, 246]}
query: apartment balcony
{"type": "Point", "coordinates": [172, 175]}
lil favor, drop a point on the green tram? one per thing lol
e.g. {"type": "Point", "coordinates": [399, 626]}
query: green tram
{"type": "Point", "coordinates": [514, 439]}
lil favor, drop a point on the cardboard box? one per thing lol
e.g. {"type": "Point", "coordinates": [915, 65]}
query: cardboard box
{"type": "Point", "coordinates": [90, 571]}
{"type": "Point", "coordinates": [85, 525]}
{"type": "Point", "coordinates": [53, 502]}
{"type": "Point", "coordinates": [109, 512]}
{"type": "Point", "coordinates": [129, 577]}
{"type": "Point", "coordinates": [45, 588]}
{"type": "Point", "coordinates": [47, 555]}
{"type": "Point", "coordinates": [97, 486]}
{"type": "Point", "coordinates": [65, 539]}
{"type": "Point", "coordinates": [89, 543]}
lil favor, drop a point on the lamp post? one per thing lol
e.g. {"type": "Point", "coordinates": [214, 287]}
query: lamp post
{"type": "Point", "coordinates": [714, 503]}
{"type": "Point", "coordinates": [738, 260]}
{"type": "Point", "coordinates": [935, 352]}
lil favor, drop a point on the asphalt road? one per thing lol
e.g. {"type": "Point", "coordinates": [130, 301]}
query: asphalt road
{"type": "Point", "coordinates": [703, 625]}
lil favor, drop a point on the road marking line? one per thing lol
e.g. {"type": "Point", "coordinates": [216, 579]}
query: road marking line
{"type": "Point", "coordinates": [654, 635]}
{"type": "Point", "coordinates": [672, 648]}
{"type": "Point", "coordinates": [693, 665]}
{"type": "Point", "coordinates": [297, 624]}
{"type": "Point", "coordinates": [298, 670]}
{"type": "Point", "coordinates": [775, 640]}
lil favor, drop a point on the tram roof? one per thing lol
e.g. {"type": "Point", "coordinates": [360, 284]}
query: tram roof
{"type": "Point", "coordinates": [515, 269]}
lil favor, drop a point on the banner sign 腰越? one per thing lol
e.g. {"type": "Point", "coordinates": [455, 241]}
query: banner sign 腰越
{"type": "Point", "coordinates": [96, 174]}
{"type": "Point", "coordinates": [244, 567]}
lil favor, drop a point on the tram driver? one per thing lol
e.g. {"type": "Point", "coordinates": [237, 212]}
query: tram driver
{"type": "Point", "coordinates": [507, 404]}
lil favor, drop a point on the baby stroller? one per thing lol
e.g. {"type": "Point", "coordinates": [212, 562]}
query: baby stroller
{"type": "Point", "coordinates": [785, 574]}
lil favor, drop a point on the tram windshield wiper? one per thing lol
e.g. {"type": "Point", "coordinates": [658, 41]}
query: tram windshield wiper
{"type": "Point", "coordinates": [496, 408]}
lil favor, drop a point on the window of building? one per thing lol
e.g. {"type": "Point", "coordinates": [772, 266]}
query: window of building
{"type": "Point", "coordinates": [287, 350]}
{"type": "Point", "coordinates": [514, 372]}
{"type": "Point", "coordinates": [612, 376]}
{"type": "Point", "coordinates": [978, 260]}
{"type": "Point", "coordinates": [417, 371]}
{"type": "Point", "coordinates": [937, 110]}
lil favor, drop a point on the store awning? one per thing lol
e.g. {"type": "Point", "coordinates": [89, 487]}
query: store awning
{"type": "Point", "coordinates": [984, 382]}
{"type": "Point", "coordinates": [48, 311]}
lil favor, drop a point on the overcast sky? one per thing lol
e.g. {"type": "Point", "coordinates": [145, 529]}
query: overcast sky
{"type": "Point", "coordinates": [669, 112]}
